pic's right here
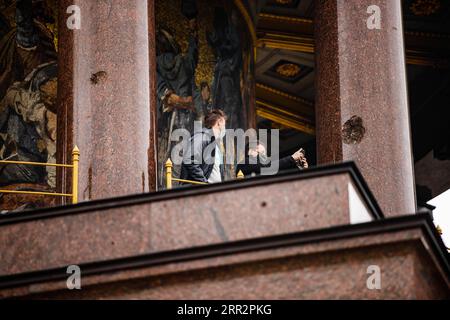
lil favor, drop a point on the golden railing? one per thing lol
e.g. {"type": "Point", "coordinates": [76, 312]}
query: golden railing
{"type": "Point", "coordinates": [73, 166]}
{"type": "Point", "coordinates": [170, 178]}
{"type": "Point", "coordinates": [439, 230]}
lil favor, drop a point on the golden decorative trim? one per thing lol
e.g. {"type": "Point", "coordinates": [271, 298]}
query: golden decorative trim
{"type": "Point", "coordinates": [310, 21]}
{"type": "Point", "coordinates": [284, 117]}
{"type": "Point", "coordinates": [282, 110]}
{"type": "Point", "coordinates": [418, 57]}
{"type": "Point", "coordinates": [248, 21]}
{"type": "Point", "coordinates": [286, 46]}
{"type": "Point", "coordinates": [424, 34]}
{"type": "Point", "coordinates": [306, 45]}
{"type": "Point", "coordinates": [283, 2]}
{"type": "Point", "coordinates": [287, 42]}
{"type": "Point", "coordinates": [284, 94]}
{"type": "Point", "coordinates": [250, 25]}
{"type": "Point", "coordinates": [425, 7]}
{"type": "Point", "coordinates": [284, 18]}
{"type": "Point", "coordinates": [73, 166]}
{"type": "Point", "coordinates": [289, 70]}
{"type": "Point", "coordinates": [427, 34]}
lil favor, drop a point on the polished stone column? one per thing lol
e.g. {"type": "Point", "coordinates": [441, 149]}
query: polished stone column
{"type": "Point", "coordinates": [361, 98]}
{"type": "Point", "coordinates": [104, 96]}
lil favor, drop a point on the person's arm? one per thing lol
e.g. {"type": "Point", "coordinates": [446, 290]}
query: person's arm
{"type": "Point", "coordinates": [287, 163]}
{"type": "Point", "coordinates": [193, 159]}
{"type": "Point", "coordinates": [297, 160]}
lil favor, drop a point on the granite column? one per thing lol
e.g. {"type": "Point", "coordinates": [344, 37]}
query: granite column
{"type": "Point", "coordinates": [104, 97]}
{"type": "Point", "coordinates": [361, 96]}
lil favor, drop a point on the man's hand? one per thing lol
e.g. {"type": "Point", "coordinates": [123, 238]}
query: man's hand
{"type": "Point", "coordinates": [300, 158]}
{"type": "Point", "coordinates": [297, 156]}
{"type": "Point", "coordinates": [304, 162]}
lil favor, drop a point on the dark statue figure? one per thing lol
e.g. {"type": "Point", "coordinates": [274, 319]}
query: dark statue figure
{"type": "Point", "coordinates": [180, 100]}
{"type": "Point", "coordinates": [175, 85]}
{"type": "Point", "coordinates": [29, 128]}
{"type": "Point", "coordinates": [226, 91]}
{"type": "Point", "coordinates": [28, 93]}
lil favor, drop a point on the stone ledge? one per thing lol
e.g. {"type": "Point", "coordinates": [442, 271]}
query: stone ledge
{"type": "Point", "coordinates": [177, 219]}
{"type": "Point", "coordinates": [320, 264]}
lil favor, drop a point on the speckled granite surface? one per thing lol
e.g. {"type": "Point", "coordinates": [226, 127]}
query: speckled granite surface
{"type": "Point", "coordinates": [104, 97]}
{"type": "Point", "coordinates": [330, 269]}
{"type": "Point", "coordinates": [176, 223]}
{"type": "Point", "coordinates": [360, 72]}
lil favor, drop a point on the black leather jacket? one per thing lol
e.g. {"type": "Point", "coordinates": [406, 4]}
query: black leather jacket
{"type": "Point", "coordinates": [248, 167]}
{"type": "Point", "coordinates": [198, 157]}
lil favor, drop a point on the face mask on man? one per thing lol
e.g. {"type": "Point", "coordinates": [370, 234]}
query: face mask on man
{"type": "Point", "coordinates": [222, 132]}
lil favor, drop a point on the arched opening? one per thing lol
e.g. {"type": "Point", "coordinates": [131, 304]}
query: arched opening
{"type": "Point", "coordinates": [240, 65]}
{"type": "Point", "coordinates": [205, 61]}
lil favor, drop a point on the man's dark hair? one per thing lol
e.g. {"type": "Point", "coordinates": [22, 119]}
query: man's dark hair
{"type": "Point", "coordinates": [213, 116]}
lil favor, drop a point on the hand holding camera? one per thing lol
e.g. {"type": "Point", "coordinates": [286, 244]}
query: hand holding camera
{"type": "Point", "coordinates": [300, 159]}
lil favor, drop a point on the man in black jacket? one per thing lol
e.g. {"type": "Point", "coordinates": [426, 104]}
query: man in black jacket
{"type": "Point", "coordinates": [256, 158]}
{"type": "Point", "coordinates": [203, 158]}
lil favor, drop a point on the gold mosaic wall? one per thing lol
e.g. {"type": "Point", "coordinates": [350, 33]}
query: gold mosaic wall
{"type": "Point", "coordinates": [169, 14]}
